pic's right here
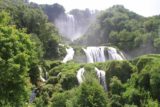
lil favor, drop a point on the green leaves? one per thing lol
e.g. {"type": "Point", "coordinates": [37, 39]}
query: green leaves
{"type": "Point", "coordinates": [17, 54]}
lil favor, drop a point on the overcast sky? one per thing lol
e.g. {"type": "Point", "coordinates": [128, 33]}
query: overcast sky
{"type": "Point", "coordinates": [142, 7]}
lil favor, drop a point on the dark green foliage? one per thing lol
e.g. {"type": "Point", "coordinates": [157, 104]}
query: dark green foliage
{"type": "Point", "coordinates": [68, 81]}
{"type": "Point", "coordinates": [66, 99]}
{"type": "Point", "coordinates": [130, 83]}
{"type": "Point", "coordinates": [91, 94]}
{"type": "Point", "coordinates": [116, 87]}
{"type": "Point", "coordinates": [35, 22]}
{"type": "Point", "coordinates": [34, 74]}
{"type": "Point", "coordinates": [53, 11]}
{"type": "Point", "coordinates": [114, 101]}
{"type": "Point", "coordinates": [121, 69]}
{"type": "Point", "coordinates": [59, 100]}
{"type": "Point", "coordinates": [52, 80]}
{"type": "Point", "coordinates": [130, 32]}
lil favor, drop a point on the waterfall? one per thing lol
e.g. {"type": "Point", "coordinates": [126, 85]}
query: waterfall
{"type": "Point", "coordinates": [74, 24]}
{"type": "Point", "coordinates": [40, 70]}
{"type": "Point", "coordinates": [101, 77]}
{"type": "Point", "coordinates": [33, 95]}
{"type": "Point", "coordinates": [80, 75]}
{"type": "Point", "coordinates": [113, 54]}
{"type": "Point", "coordinates": [95, 54]}
{"type": "Point", "coordinates": [69, 56]}
{"type": "Point", "coordinates": [66, 25]}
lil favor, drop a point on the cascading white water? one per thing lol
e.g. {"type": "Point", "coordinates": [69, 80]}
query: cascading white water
{"type": "Point", "coordinates": [33, 96]}
{"type": "Point", "coordinates": [66, 25]}
{"type": "Point", "coordinates": [113, 55]}
{"type": "Point", "coordinates": [69, 56]}
{"type": "Point", "coordinates": [101, 77]}
{"type": "Point", "coordinates": [74, 24]}
{"type": "Point", "coordinates": [95, 54]}
{"type": "Point", "coordinates": [41, 78]}
{"type": "Point", "coordinates": [80, 75]}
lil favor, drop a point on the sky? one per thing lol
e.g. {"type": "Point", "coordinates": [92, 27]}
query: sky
{"type": "Point", "coordinates": [142, 7]}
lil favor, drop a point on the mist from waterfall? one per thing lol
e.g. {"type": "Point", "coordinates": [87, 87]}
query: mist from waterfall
{"type": "Point", "coordinates": [66, 25]}
{"type": "Point", "coordinates": [74, 24]}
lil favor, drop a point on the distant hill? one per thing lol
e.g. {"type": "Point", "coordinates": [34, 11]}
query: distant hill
{"type": "Point", "coordinates": [132, 33]}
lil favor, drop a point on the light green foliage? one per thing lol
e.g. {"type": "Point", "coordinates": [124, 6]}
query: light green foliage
{"type": "Point", "coordinates": [4, 18]}
{"type": "Point", "coordinates": [17, 55]}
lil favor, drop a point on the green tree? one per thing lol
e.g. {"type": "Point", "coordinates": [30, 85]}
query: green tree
{"type": "Point", "coordinates": [92, 94]}
{"type": "Point", "coordinates": [17, 55]}
{"type": "Point", "coordinates": [35, 22]}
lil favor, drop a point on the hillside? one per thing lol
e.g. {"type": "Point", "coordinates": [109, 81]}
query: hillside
{"type": "Point", "coordinates": [37, 70]}
{"type": "Point", "coordinates": [130, 32]}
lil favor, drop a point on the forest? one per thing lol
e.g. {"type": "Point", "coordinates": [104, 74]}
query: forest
{"type": "Point", "coordinates": [33, 72]}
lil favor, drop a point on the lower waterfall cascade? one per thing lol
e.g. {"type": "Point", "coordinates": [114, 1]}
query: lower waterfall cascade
{"type": "Point", "coordinates": [33, 95]}
{"type": "Point", "coordinates": [101, 76]}
{"type": "Point", "coordinates": [80, 75]}
{"type": "Point", "coordinates": [41, 78]}
{"type": "Point", "coordinates": [95, 54]}
{"type": "Point", "coordinates": [69, 56]}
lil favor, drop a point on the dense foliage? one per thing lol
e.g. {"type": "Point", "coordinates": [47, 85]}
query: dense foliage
{"type": "Point", "coordinates": [32, 18]}
{"type": "Point", "coordinates": [129, 83]}
{"type": "Point", "coordinates": [28, 42]}
{"type": "Point", "coordinates": [127, 30]}
{"type": "Point", "coordinates": [17, 55]}
{"type": "Point", "coordinates": [53, 11]}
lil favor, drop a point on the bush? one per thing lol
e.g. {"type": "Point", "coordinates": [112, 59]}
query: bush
{"type": "Point", "coordinates": [121, 69]}
{"type": "Point", "coordinates": [17, 55]}
{"type": "Point", "coordinates": [92, 94]}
